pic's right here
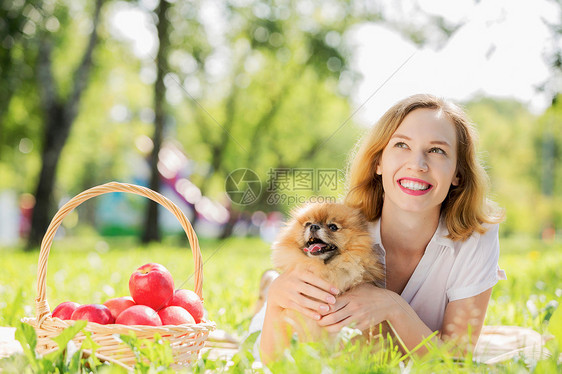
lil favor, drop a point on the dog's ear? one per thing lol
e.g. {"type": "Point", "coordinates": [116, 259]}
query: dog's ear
{"type": "Point", "coordinates": [299, 211]}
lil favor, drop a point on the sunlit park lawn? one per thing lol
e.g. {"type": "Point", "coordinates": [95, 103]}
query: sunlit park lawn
{"type": "Point", "coordinates": [91, 269]}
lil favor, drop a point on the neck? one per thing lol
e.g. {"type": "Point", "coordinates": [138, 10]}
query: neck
{"type": "Point", "coordinates": [407, 232]}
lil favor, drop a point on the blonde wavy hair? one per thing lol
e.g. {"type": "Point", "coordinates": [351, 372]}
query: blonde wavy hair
{"type": "Point", "coordinates": [466, 207]}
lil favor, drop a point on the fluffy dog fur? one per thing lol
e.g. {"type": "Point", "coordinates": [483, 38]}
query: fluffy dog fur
{"type": "Point", "coordinates": [333, 242]}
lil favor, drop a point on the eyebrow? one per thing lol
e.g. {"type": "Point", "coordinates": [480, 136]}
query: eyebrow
{"type": "Point", "coordinates": [438, 142]}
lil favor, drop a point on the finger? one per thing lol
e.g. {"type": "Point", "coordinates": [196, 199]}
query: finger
{"type": "Point", "coordinates": [338, 305]}
{"type": "Point", "coordinates": [310, 313]}
{"type": "Point", "coordinates": [320, 283]}
{"type": "Point", "coordinates": [314, 292]}
{"type": "Point", "coordinates": [333, 318]}
{"type": "Point", "coordinates": [336, 327]}
{"type": "Point", "coordinates": [288, 287]}
{"type": "Point", "coordinates": [331, 308]}
{"type": "Point", "coordinates": [307, 302]}
{"type": "Point", "coordinates": [312, 304]}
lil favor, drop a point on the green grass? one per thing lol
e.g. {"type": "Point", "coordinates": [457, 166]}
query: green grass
{"type": "Point", "coordinates": [92, 269]}
{"type": "Point", "coordinates": [533, 287]}
{"type": "Point", "coordinates": [96, 269]}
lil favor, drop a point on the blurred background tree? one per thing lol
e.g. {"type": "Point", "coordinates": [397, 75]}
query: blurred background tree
{"type": "Point", "coordinates": [59, 98]}
{"type": "Point", "coordinates": [248, 80]}
{"type": "Point", "coordinates": [262, 85]}
{"type": "Point", "coordinates": [151, 231]}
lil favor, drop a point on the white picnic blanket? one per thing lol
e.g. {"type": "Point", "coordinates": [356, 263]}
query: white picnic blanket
{"type": "Point", "coordinates": [501, 343]}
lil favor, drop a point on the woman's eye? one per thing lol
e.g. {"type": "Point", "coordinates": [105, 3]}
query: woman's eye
{"type": "Point", "coordinates": [401, 145]}
{"type": "Point", "coordinates": [333, 227]}
{"type": "Point", "coordinates": [437, 150]}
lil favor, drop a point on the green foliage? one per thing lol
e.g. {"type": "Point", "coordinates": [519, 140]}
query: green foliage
{"type": "Point", "coordinates": [14, 309]}
{"type": "Point", "coordinates": [506, 133]}
{"type": "Point", "coordinates": [94, 269]}
{"type": "Point", "coordinates": [555, 326]}
{"type": "Point", "coordinates": [241, 362]}
{"type": "Point", "coordinates": [151, 356]}
{"type": "Point", "coordinates": [279, 101]}
{"type": "Point", "coordinates": [287, 71]}
{"type": "Point", "coordinates": [532, 287]}
{"type": "Point", "coordinates": [66, 359]}
{"type": "Point", "coordinates": [523, 159]}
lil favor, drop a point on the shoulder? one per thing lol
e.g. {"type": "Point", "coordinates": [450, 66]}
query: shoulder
{"type": "Point", "coordinates": [480, 245]}
{"type": "Point", "coordinates": [488, 237]}
{"type": "Point", "coordinates": [475, 267]}
{"type": "Point", "coordinates": [491, 229]}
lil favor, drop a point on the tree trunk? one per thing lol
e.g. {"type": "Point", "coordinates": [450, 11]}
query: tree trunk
{"type": "Point", "coordinates": [151, 231]}
{"type": "Point", "coordinates": [228, 228]}
{"type": "Point", "coordinates": [11, 75]}
{"type": "Point", "coordinates": [59, 117]}
{"type": "Point", "coordinates": [57, 130]}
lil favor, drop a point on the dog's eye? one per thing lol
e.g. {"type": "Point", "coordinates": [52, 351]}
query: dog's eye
{"type": "Point", "coordinates": [307, 224]}
{"type": "Point", "coordinates": [333, 227]}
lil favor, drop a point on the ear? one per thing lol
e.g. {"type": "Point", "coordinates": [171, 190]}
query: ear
{"type": "Point", "coordinates": [379, 169]}
{"type": "Point", "coordinates": [455, 181]}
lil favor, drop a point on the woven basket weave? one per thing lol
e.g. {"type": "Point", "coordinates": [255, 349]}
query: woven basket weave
{"type": "Point", "coordinates": [186, 340]}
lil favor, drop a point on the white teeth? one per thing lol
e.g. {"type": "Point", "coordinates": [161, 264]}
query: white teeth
{"type": "Point", "coordinates": [416, 186]}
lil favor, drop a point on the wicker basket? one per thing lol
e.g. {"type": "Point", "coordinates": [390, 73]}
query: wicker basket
{"type": "Point", "coordinates": [186, 340]}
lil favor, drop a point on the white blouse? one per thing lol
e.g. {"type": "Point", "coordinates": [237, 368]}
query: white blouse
{"type": "Point", "coordinates": [448, 271]}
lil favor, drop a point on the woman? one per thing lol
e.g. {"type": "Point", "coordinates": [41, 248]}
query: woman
{"type": "Point", "coordinates": [417, 178]}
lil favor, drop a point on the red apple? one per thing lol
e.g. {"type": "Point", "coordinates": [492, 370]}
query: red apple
{"type": "Point", "coordinates": [175, 315]}
{"type": "Point", "coordinates": [93, 313]}
{"type": "Point", "coordinates": [152, 285]}
{"type": "Point", "coordinates": [119, 304]}
{"type": "Point", "coordinates": [139, 315]}
{"type": "Point", "coordinates": [64, 310]}
{"type": "Point", "coordinates": [190, 301]}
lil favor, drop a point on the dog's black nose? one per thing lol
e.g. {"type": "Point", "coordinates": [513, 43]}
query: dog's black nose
{"type": "Point", "coordinates": [314, 227]}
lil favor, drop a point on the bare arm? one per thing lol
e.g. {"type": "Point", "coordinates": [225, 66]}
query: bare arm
{"type": "Point", "coordinates": [299, 290]}
{"type": "Point", "coordinates": [367, 305]}
{"type": "Point", "coordinates": [463, 321]}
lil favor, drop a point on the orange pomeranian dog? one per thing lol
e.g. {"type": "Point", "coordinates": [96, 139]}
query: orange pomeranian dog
{"type": "Point", "coordinates": [333, 242]}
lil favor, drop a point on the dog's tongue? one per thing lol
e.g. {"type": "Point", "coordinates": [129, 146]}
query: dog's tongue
{"type": "Point", "coordinates": [314, 247]}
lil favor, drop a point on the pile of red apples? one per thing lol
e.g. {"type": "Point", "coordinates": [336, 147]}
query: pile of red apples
{"type": "Point", "coordinates": [153, 302]}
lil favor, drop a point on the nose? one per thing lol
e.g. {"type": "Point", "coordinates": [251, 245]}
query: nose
{"type": "Point", "coordinates": [314, 227]}
{"type": "Point", "coordinates": [418, 162]}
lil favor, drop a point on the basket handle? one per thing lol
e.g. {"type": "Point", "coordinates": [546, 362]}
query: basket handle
{"type": "Point", "coordinates": [41, 305]}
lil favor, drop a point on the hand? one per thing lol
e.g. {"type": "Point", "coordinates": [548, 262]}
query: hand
{"type": "Point", "coordinates": [301, 290]}
{"type": "Point", "coordinates": [361, 307]}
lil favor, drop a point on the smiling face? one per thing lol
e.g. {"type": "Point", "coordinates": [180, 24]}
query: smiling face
{"type": "Point", "coordinates": [418, 165]}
